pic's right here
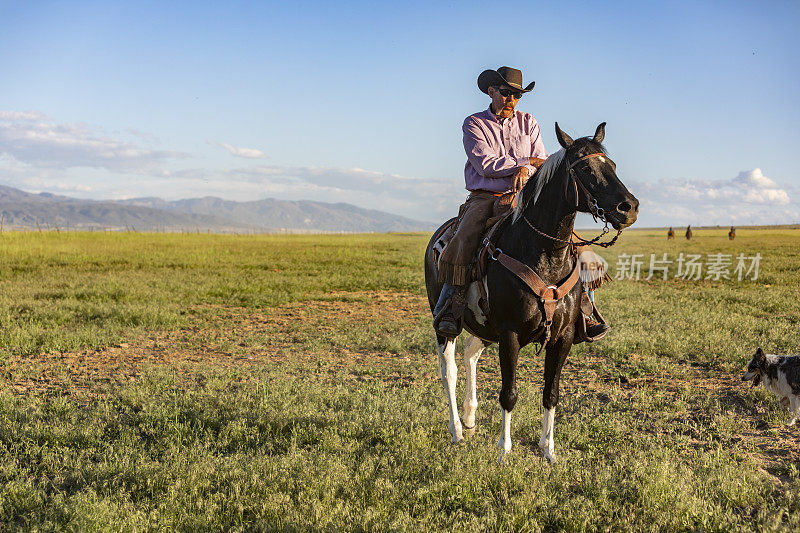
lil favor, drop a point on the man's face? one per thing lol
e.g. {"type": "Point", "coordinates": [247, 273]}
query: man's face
{"type": "Point", "coordinates": [503, 106]}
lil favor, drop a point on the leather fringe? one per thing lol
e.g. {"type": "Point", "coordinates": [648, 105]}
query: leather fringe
{"type": "Point", "coordinates": [455, 274]}
{"type": "Point", "coordinates": [596, 284]}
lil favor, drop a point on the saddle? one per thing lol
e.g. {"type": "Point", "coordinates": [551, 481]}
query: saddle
{"type": "Point", "coordinates": [500, 212]}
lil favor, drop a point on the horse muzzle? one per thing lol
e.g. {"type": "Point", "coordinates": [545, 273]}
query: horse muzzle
{"type": "Point", "coordinates": [624, 213]}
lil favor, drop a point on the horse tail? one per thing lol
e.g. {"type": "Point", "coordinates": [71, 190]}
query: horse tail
{"type": "Point", "coordinates": [432, 253]}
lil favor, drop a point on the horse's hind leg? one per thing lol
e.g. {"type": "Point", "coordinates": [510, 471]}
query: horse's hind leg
{"type": "Point", "coordinates": [448, 371]}
{"type": "Point", "coordinates": [472, 352]}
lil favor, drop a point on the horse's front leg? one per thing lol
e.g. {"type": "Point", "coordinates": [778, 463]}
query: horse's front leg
{"type": "Point", "coordinates": [472, 352]}
{"type": "Point", "coordinates": [554, 359]}
{"type": "Point", "coordinates": [509, 352]}
{"type": "Point", "coordinates": [449, 374]}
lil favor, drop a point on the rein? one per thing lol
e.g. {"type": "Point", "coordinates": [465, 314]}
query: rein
{"type": "Point", "coordinates": [595, 210]}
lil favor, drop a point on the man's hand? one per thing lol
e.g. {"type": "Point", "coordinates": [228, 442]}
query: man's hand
{"type": "Point", "coordinates": [536, 162]}
{"type": "Point", "coordinates": [520, 178]}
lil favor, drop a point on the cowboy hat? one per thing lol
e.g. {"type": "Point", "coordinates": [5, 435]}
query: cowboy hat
{"type": "Point", "coordinates": [508, 76]}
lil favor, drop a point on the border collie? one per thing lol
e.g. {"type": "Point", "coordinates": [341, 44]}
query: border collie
{"type": "Point", "coordinates": [781, 375]}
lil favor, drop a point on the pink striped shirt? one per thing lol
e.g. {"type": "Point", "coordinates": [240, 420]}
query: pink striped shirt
{"type": "Point", "coordinates": [497, 148]}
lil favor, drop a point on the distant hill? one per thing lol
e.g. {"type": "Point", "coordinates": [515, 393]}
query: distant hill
{"type": "Point", "coordinates": [297, 215]}
{"type": "Point", "coordinates": [19, 208]}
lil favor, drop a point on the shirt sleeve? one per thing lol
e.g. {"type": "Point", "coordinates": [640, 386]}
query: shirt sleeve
{"type": "Point", "coordinates": [486, 161]}
{"type": "Point", "coordinates": [537, 148]}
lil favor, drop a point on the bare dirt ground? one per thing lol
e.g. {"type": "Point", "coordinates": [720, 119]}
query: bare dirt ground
{"type": "Point", "coordinates": [230, 343]}
{"type": "Point", "coordinates": [89, 372]}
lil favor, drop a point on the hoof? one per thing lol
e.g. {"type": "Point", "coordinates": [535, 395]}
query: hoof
{"type": "Point", "coordinates": [456, 440]}
{"type": "Point", "coordinates": [503, 459]}
{"type": "Point", "coordinates": [549, 457]}
{"type": "Point", "coordinates": [469, 431]}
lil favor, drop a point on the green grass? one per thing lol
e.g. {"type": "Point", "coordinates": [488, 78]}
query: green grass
{"type": "Point", "coordinates": [285, 452]}
{"type": "Point", "coordinates": [339, 423]}
{"type": "Point", "coordinates": [64, 291]}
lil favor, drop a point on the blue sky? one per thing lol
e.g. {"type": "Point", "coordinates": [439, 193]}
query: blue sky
{"type": "Point", "coordinates": [363, 102]}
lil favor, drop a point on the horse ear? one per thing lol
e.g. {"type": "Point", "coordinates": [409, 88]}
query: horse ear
{"type": "Point", "coordinates": [600, 133]}
{"type": "Point", "coordinates": [563, 139]}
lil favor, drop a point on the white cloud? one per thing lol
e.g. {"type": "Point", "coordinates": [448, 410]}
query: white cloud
{"type": "Point", "coordinates": [37, 186]}
{"type": "Point", "coordinates": [249, 153]}
{"type": "Point", "coordinates": [35, 139]}
{"type": "Point", "coordinates": [23, 115]}
{"type": "Point", "coordinates": [749, 198]}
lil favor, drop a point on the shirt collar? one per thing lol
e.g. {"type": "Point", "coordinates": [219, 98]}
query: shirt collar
{"type": "Point", "coordinates": [501, 121]}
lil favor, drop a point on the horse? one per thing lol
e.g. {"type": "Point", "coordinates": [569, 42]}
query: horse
{"type": "Point", "coordinates": [688, 233]}
{"type": "Point", "coordinates": [732, 234]}
{"type": "Point", "coordinates": [671, 234]}
{"type": "Point", "coordinates": [579, 177]}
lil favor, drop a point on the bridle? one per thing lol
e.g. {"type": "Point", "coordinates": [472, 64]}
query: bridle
{"type": "Point", "coordinates": [595, 210]}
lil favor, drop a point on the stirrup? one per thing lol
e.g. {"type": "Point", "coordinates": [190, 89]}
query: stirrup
{"type": "Point", "coordinates": [583, 335]}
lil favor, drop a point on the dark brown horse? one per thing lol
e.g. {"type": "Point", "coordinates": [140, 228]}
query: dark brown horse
{"type": "Point", "coordinates": [580, 177]}
{"type": "Point", "coordinates": [670, 234]}
{"type": "Point", "coordinates": [732, 234]}
{"type": "Point", "coordinates": [688, 233]}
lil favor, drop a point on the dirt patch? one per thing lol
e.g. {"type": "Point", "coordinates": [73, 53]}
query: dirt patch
{"type": "Point", "coordinates": [220, 339]}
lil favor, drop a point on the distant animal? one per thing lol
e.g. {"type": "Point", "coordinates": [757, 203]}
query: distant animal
{"type": "Point", "coordinates": [732, 234]}
{"type": "Point", "coordinates": [670, 234]}
{"type": "Point", "coordinates": [688, 233]}
{"type": "Point", "coordinates": [532, 249]}
{"type": "Point", "coordinates": [780, 375]}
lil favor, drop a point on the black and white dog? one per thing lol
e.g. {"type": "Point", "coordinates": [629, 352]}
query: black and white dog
{"type": "Point", "coordinates": [781, 375]}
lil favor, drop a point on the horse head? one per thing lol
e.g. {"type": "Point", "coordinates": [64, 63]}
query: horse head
{"type": "Point", "coordinates": [595, 187]}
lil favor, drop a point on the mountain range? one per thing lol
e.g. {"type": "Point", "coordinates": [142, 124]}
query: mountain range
{"type": "Point", "coordinates": [22, 209]}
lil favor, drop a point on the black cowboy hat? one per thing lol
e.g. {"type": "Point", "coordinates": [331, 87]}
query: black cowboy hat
{"type": "Point", "coordinates": [508, 76]}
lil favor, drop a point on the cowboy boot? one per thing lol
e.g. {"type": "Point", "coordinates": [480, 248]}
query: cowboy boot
{"type": "Point", "coordinates": [444, 322]}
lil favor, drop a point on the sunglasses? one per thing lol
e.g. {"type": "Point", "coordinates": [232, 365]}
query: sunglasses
{"type": "Point", "coordinates": [505, 93]}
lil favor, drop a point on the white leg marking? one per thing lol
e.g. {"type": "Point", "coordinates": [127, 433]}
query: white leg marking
{"type": "Point", "coordinates": [472, 353]}
{"type": "Point", "coordinates": [505, 435]}
{"type": "Point", "coordinates": [449, 373]}
{"type": "Point", "coordinates": [546, 443]}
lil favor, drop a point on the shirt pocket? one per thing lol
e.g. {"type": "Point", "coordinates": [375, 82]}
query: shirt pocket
{"type": "Point", "coordinates": [521, 145]}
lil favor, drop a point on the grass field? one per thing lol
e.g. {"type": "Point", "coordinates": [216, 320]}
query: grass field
{"type": "Point", "coordinates": [206, 382]}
